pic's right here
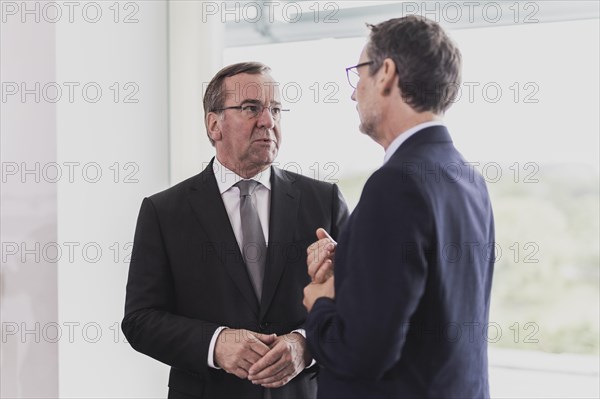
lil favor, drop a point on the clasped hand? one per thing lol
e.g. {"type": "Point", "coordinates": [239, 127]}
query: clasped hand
{"type": "Point", "coordinates": [268, 360]}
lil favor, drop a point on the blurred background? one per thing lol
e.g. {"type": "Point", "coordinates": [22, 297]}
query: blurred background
{"type": "Point", "coordinates": [101, 105]}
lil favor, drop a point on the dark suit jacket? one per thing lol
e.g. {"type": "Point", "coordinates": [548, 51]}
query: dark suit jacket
{"type": "Point", "coordinates": [187, 277]}
{"type": "Point", "coordinates": [413, 275]}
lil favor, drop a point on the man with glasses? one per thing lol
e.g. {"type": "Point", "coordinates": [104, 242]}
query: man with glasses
{"type": "Point", "coordinates": [405, 313]}
{"type": "Point", "coordinates": [218, 263]}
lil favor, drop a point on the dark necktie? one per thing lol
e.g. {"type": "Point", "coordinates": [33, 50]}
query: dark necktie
{"type": "Point", "coordinates": [254, 248]}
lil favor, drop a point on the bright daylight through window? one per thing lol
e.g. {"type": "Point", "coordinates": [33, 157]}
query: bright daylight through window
{"type": "Point", "coordinates": [527, 117]}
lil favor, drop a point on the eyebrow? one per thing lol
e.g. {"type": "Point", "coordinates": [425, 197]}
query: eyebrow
{"type": "Point", "coordinates": [254, 101]}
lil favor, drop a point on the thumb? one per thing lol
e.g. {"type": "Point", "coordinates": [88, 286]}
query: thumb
{"type": "Point", "coordinates": [322, 233]}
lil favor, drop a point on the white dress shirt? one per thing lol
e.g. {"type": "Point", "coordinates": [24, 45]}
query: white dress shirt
{"type": "Point", "coordinates": [405, 135]}
{"type": "Point", "coordinates": [226, 179]}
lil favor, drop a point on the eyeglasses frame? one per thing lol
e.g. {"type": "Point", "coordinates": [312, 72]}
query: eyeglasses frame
{"type": "Point", "coordinates": [354, 70]}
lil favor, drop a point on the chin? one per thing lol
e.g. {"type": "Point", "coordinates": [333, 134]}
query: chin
{"type": "Point", "coordinates": [271, 155]}
{"type": "Point", "coordinates": [368, 128]}
{"type": "Point", "coordinates": [265, 160]}
{"type": "Point", "coordinates": [365, 129]}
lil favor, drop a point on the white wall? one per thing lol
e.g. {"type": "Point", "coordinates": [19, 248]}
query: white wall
{"type": "Point", "coordinates": [65, 298]}
{"type": "Point", "coordinates": [28, 213]}
{"type": "Point", "coordinates": [128, 139]}
{"type": "Point", "coordinates": [195, 55]}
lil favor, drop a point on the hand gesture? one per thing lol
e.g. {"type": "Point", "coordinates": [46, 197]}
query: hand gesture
{"type": "Point", "coordinates": [314, 291]}
{"type": "Point", "coordinates": [320, 257]}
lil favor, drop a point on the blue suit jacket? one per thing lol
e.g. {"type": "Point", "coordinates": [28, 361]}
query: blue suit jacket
{"type": "Point", "coordinates": [413, 273]}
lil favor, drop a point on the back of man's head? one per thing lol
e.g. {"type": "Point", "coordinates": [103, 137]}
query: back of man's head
{"type": "Point", "coordinates": [427, 61]}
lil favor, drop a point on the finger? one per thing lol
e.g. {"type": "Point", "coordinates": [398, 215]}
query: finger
{"type": "Point", "coordinates": [264, 367]}
{"type": "Point", "coordinates": [281, 376]}
{"type": "Point", "coordinates": [279, 383]}
{"type": "Point", "coordinates": [324, 272]}
{"type": "Point", "coordinates": [251, 357]}
{"type": "Point", "coordinates": [266, 339]}
{"type": "Point", "coordinates": [317, 262]}
{"type": "Point", "coordinates": [239, 368]}
{"type": "Point", "coordinates": [322, 237]}
{"type": "Point", "coordinates": [239, 362]}
{"type": "Point", "coordinates": [267, 361]}
{"type": "Point", "coordinates": [322, 233]}
{"type": "Point", "coordinates": [254, 342]}
{"type": "Point", "coordinates": [259, 349]}
{"type": "Point", "coordinates": [274, 372]}
{"type": "Point", "coordinates": [312, 246]}
{"type": "Point", "coordinates": [240, 373]}
{"type": "Point", "coordinates": [323, 243]}
{"type": "Point", "coordinates": [244, 364]}
{"type": "Point", "coordinates": [322, 248]}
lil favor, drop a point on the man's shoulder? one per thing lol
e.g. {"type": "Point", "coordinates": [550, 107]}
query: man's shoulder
{"type": "Point", "coordinates": [179, 190]}
{"type": "Point", "coordinates": [301, 180]}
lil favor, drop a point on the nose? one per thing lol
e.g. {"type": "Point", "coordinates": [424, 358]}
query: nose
{"type": "Point", "coordinates": [265, 119]}
{"type": "Point", "coordinates": [353, 96]}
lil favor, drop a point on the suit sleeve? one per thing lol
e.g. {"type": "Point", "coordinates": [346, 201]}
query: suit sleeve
{"type": "Point", "coordinates": [380, 278]}
{"type": "Point", "coordinates": [149, 324]}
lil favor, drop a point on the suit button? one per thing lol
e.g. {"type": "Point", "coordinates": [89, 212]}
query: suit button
{"type": "Point", "coordinates": [263, 326]}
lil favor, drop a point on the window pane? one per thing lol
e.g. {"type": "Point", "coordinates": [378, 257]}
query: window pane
{"type": "Point", "coordinates": [528, 118]}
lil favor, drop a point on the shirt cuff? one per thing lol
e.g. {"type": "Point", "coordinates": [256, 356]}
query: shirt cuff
{"type": "Point", "coordinates": [302, 332]}
{"type": "Point", "coordinates": [211, 348]}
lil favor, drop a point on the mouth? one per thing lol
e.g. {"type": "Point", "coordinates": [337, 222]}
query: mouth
{"type": "Point", "coordinates": [265, 141]}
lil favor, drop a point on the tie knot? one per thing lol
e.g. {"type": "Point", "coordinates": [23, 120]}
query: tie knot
{"type": "Point", "coordinates": [247, 187]}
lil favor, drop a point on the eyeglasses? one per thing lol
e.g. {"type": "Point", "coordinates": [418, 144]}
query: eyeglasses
{"type": "Point", "coordinates": [352, 73]}
{"type": "Point", "coordinates": [252, 111]}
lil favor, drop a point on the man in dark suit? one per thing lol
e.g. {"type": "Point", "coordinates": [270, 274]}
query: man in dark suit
{"type": "Point", "coordinates": [405, 313]}
{"type": "Point", "coordinates": [223, 310]}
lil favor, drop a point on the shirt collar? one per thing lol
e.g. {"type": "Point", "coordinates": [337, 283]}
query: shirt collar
{"type": "Point", "coordinates": [402, 137]}
{"type": "Point", "coordinates": [227, 178]}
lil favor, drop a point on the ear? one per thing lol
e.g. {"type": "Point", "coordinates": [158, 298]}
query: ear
{"type": "Point", "coordinates": [212, 126]}
{"type": "Point", "coordinates": [387, 77]}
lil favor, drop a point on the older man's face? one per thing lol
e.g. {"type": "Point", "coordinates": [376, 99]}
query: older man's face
{"type": "Point", "coordinates": [245, 144]}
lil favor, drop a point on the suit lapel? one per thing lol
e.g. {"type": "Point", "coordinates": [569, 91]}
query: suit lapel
{"type": "Point", "coordinates": [207, 204]}
{"type": "Point", "coordinates": [285, 200]}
